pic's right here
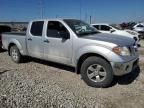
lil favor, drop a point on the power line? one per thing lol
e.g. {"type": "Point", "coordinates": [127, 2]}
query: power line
{"type": "Point", "coordinates": [80, 8]}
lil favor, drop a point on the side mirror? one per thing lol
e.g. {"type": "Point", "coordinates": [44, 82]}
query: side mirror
{"type": "Point", "coordinates": [112, 30]}
{"type": "Point", "coordinates": [64, 35]}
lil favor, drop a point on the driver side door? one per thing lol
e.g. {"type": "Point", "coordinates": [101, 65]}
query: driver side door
{"type": "Point", "coordinates": [56, 48]}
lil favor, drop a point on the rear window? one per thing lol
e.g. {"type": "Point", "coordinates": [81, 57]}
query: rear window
{"type": "Point", "coordinates": [37, 28]}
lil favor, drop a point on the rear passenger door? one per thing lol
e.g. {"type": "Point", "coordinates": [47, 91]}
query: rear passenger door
{"type": "Point", "coordinates": [34, 39]}
{"type": "Point", "coordinates": [56, 48]}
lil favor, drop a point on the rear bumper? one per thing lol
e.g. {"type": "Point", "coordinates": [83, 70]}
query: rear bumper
{"type": "Point", "coordinates": [123, 68]}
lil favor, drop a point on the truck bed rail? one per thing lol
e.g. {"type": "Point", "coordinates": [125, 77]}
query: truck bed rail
{"type": "Point", "coordinates": [16, 33]}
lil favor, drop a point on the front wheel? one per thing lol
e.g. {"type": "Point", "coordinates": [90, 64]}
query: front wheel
{"type": "Point", "coordinates": [15, 54]}
{"type": "Point", "coordinates": [96, 72]}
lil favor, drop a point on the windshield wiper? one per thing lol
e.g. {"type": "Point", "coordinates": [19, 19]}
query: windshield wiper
{"type": "Point", "coordinates": [88, 33]}
{"type": "Point", "coordinates": [95, 32]}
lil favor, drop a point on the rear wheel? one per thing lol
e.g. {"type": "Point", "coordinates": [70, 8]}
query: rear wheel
{"type": "Point", "coordinates": [15, 54]}
{"type": "Point", "coordinates": [96, 72]}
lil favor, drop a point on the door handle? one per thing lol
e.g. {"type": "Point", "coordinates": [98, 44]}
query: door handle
{"type": "Point", "coordinates": [46, 41]}
{"type": "Point", "coordinates": [30, 39]}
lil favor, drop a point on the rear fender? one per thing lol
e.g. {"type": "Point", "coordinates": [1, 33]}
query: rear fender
{"type": "Point", "coordinates": [17, 43]}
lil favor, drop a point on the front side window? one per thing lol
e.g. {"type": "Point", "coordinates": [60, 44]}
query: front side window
{"type": "Point", "coordinates": [105, 28]}
{"type": "Point", "coordinates": [54, 29]}
{"type": "Point", "coordinates": [37, 28]}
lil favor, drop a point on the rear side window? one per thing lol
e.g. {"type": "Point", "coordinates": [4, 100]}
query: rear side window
{"type": "Point", "coordinates": [96, 26]}
{"type": "Point", "coordinates": [37, 28]}
{"type": "Point", "coordinates": [105, 28]}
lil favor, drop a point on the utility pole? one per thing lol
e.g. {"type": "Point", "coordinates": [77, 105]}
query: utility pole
{"type": "Point", "coordinates": [41, 8]}
{"type": "Point", "coordinates": [80, 8]}
{"type": "Point", "coordinates": [90, 18]}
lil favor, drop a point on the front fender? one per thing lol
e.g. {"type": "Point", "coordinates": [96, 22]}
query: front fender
{"type": "Point", "coordinates": [100, 50]}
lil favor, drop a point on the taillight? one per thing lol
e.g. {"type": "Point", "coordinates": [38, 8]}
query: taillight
{"type": "Point", "coordinates": [0, 37]}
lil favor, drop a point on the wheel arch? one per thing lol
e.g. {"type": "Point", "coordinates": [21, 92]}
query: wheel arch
{"type": "Point", "coordinates": [17, 44]}
{"type": "Point", "coordinates": [84, 57]}
{"type": "Point", "coordinates": [10, 45]}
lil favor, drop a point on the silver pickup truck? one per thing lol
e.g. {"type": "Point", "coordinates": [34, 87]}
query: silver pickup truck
{"type": "Point", "coordinates": [98, 57]}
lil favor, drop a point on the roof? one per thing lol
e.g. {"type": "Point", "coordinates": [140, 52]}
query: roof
{"type": "Point", "coordinates": [100, 24]}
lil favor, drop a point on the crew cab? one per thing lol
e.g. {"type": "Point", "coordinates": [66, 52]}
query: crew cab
{"type": "Point", "coordinates": [115, 29]}
{"type": "Point", "coordinates": [98, 57]}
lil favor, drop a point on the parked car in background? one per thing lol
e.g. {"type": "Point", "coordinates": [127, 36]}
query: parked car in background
{"type": "Point", "coordinates": [96, 56]}
{"type": "Point", "coordinates": [3, 28]}
{"type": "Point", "coordinates": [116, 29]}
{"type": "Point", "coordinates": [139, 27]}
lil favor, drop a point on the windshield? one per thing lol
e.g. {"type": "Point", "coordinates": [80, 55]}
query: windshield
{"type": "Point", "coordinates": [140, 25]}
{"type": "Point", "coordinates": [118, 27]}
{"type": "Point", "coordinates": [80, 28]}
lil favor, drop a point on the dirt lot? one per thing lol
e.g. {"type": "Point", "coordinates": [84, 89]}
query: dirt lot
{"type": "Point", "coordinates": [41, 84]}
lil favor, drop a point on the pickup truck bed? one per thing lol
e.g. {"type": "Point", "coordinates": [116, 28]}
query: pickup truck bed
{"type": "Point", "coordinates": [15, 37]}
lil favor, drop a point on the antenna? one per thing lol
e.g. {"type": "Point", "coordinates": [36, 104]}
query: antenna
{"type": "Point", "coordinates": [80, 8]}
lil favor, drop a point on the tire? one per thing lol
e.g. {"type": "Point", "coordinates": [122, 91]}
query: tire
{"type": "Point", "coordinates": [97, 72]}
{"type": "Point", "coordinates": [15, 54]}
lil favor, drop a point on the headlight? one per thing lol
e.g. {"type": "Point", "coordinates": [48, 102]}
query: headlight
{"type": "Point", "coordinates": [123, 51]}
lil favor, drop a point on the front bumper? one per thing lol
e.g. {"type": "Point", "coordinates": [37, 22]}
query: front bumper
{"type": "Point", "coordinates": [123, 68]}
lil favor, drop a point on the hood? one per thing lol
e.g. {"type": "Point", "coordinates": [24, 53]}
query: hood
{"type": "Point", "coordinates": [132, 32]}
{"type": "Point", "coordinates": [125, 33]}
{"type": "Point", "coordinates": [116, 39]}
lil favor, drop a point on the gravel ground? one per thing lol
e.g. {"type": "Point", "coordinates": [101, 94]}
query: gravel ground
{"type": "Point", "coordinates": [41, 84]}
